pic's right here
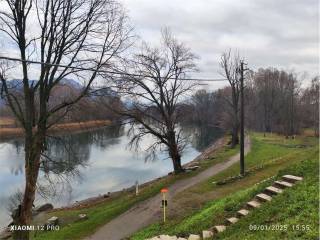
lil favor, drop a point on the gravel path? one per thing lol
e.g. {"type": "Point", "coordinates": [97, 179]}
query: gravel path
{"type": "Point", "coordinates": [148, 211]}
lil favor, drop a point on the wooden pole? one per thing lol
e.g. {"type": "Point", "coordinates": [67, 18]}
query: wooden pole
{"type": "Point", "coordinates": [241, 121]}
{"type": "Point", "coordinates": [164, 207]}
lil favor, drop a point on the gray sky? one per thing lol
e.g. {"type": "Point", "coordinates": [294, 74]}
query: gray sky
{"type": "Point", "coordinates": [278, 33]}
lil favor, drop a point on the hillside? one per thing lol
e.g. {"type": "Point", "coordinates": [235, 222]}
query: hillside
{"type": "Point", "coordinates": [270, 158]}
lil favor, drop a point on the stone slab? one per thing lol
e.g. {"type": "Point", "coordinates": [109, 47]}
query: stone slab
{"type": "Point", "coordinates": [264, 197]}
{"type": "Point", "coordinates": [254, 204]}
{"type": "Point", "coordinates": [243, 212]}
{"type": "Point", "coordinates": [274, 190]}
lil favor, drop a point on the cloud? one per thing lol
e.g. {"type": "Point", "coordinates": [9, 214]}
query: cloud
{"type": "Point", "coordinates": [282, 34]}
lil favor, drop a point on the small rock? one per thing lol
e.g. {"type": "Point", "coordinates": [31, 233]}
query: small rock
{"type": "Point", "coordinates": [45, 207]}
{"type": "Point", "coordinates": [193, 168]}
{"type": "Point", "coordinates": [207, 234]}
{"type": "Point", "coordinates": [53, 221]}
{"type": "Point", "coordinates": [167, 237]}
{"type": "Point", "coordinates": [83, 216]}
{"type": "Point", "coordinates": [194, 237]}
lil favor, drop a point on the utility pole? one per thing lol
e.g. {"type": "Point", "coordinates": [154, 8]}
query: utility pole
{"type": "Point", "coordinates": [241, 120]}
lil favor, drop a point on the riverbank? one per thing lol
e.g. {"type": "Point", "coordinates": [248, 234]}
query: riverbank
{"type": "Point", "coordinates": [9, 131]}
{"type": "Point", "coordinates": [104, 208]}
{"type": "Point", "coordinates": [219, 197]}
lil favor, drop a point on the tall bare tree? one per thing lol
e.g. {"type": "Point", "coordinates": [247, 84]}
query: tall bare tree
{"type": "Point", "coordinates": [77, 34]}
{"type": "Point", "coordinates": [310, 106]}
{"type": "Point", "coordinates": [275, 101]}
{"type": "Point", "coordinates": [156, 89]}
{"type": "Point", "coordinates": [230, 63]}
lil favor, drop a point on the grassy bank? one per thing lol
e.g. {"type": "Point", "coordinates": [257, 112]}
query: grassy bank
{"type": "Point", "coordinates": [7, 132]}
{"type": "Point", "coordinates": [101, 213]}
{"type": "Point", "coordinates": [269, 155]}
{"type": "Point", "coordinates": [297, 209]}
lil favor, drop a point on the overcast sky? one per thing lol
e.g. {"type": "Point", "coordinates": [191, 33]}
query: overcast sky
{"type": "Point", "coordinates": [278, 33]}
{"type": "Point", "coordinates": [267, 33]}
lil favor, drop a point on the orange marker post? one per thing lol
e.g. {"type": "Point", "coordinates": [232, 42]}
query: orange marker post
{"type": "Point", "coordinates": [164, 202]}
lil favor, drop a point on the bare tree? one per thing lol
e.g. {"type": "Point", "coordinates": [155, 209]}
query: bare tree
{"type": "Point", "coordinates": [77, 34]}
{"type": "Point", "coordinates": [156, 89]}
{"type": "Point", "coordinates": [276, 103]}
{"type": "Point", "coordinates": [204, 107]}
{"type": "Point", "coordinates": [231, 65]}
{"type": "Point", "coordinates": [310, 106]}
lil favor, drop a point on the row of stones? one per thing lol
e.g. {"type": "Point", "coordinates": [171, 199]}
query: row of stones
{"type": "Point", "coordinates": [266, 196]}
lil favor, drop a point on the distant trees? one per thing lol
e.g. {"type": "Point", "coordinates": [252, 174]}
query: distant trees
{"type": "Point", "coordinates": [231, 64]}
{"type": "Point", "coordinates": [274, 102]}
{"type": "Point", "coordinates": [274, 99]}
{"type": "Point", "coordinates": [77, 34]}
{"type": "Point", "coordinates": [205, 108]}
{"type": "Point", "coordinates": [90, 107]}
{"type": "Point", "coordinates": [155, 90]}
{"type": "Point", "coordinates": [310, 106]}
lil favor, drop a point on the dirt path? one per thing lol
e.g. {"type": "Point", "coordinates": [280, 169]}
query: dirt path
{"type": "Point", "coordinates": [148, 211]}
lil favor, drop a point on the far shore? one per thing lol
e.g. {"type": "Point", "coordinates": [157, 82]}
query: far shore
{"type": "Point", "coordinates": [12, 132]}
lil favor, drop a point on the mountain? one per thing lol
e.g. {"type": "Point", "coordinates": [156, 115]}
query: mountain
{"type": "Point", "coordinates": [64, 87]}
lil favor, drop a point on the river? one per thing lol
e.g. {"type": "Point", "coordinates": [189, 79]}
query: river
{"type": "Point", "coordinates": [94, 162]}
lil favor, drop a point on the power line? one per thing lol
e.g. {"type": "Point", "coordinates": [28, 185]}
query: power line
{"type": "Point", "coordinates": [109, 72]}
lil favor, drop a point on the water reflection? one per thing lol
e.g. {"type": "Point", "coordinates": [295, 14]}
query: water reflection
{"type": "Point", "coordinates": [202, 136]}
{"type": "Point", "coordinates": [65, 153]}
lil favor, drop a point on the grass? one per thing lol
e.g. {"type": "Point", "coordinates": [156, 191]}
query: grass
{"type": "Point", "coordinates": [266, 152]}
{"type": "Point", "coordinates": [296, 210]}
{"type": "Point", "coordinates": [210, 214]}
{"type": "Point", "coordinates": [98, 214]}
{"type": "Point", "coordinates": [102, 213]}
{"type": "Point", "coordinates": [272, 153]}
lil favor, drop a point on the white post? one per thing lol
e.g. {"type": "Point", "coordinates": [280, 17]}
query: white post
{"type": "Point", "coordinates": [137, 188]}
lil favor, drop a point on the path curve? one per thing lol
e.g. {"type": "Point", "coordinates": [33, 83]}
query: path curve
{"type": "Point", "coordinates": [148, 211]}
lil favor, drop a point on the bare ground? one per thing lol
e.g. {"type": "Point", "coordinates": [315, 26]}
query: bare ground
{"type": "Point", "coordinates": [148, 211]}
{"type": "Point", "coordinates": [8, 130]}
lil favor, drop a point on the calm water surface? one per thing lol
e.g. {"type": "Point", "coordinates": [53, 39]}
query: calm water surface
{"type": "Point", "coordinates": [94, 162]}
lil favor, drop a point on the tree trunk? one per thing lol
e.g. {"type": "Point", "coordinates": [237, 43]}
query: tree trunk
{"type": "Point", "coordinates": [176, 160]}
{"type": "Point", "coordinates": [234, 136]}
{"type": "Point", "coordinates": [23, 216]}
{"type": "Point", "coordinates": [174, 153]}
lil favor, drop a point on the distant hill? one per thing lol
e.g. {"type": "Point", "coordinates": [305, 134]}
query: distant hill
{"type": "Point", "coordinates": [65, 88]}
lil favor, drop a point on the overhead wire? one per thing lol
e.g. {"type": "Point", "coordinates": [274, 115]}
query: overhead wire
{"type": "Point", "coordinates": [108, 71]}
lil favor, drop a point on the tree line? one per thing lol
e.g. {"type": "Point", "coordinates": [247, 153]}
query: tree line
{"type": "Point", "coordinates": [275, 102]}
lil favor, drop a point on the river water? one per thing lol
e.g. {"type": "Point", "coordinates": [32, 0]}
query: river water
{"type": "Point", "coordinates": [94, 162]}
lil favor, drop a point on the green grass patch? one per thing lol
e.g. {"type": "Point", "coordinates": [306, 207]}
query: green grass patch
{"type": "Point", "coordinates": [274, 154]}
{"type": "Point", "coordinates": [265, 150]}
{"type": "Point", "coordinates": [210, 215]}
{"type": "Point", "coordinates": [291, 215]}
{"type": "Point", "coordinates": [99, 214]}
